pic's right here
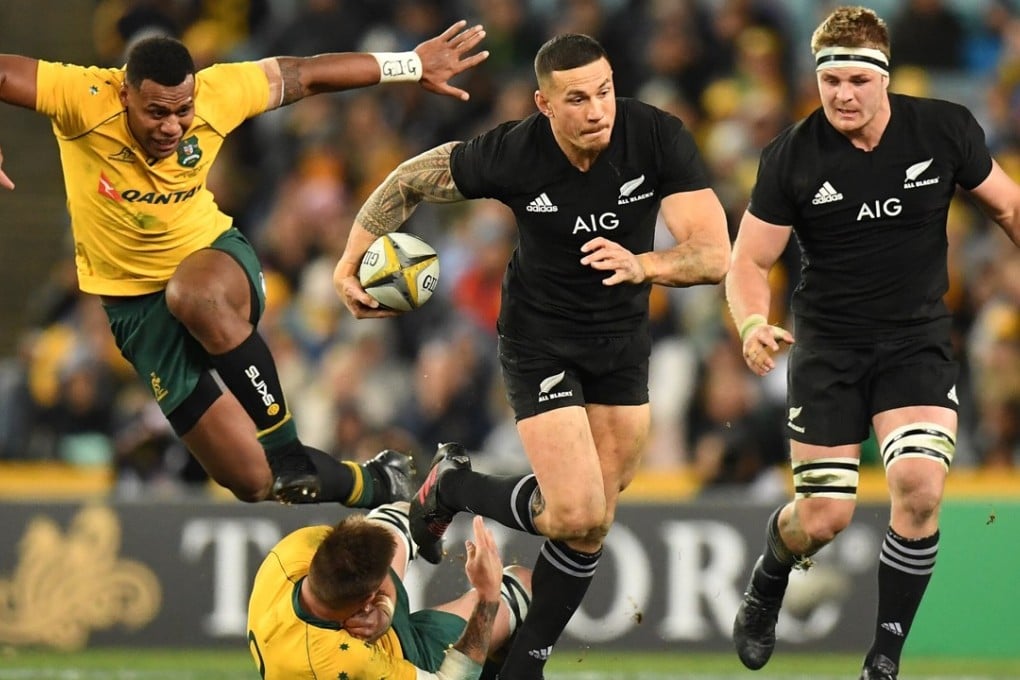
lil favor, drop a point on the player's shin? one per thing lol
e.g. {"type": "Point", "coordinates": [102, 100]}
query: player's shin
{"type": "Point", "coordinates": [560, 580]}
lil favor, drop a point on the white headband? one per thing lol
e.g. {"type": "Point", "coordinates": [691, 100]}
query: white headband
{"type": "Point", "coordinates": [860, 57]}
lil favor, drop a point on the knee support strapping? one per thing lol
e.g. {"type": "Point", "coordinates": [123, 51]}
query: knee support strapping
{"type": "Point", "coordinates": [516, 596]}
{"type": "Point", "coordinates": [919, 440]}
{"type": "Point", "coordinates": [826, 478]}
{"type": "Point", "coordinates": [394, 516]}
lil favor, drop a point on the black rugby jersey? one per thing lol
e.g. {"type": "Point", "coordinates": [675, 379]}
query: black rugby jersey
{"type": "Point", "coordinates": [558, 208]}
{"type": "Point", "coordinates": [871, 225]}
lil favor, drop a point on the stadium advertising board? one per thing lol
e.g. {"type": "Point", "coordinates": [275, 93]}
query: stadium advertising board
{"type": "Point", "coordinates": [178, 575]}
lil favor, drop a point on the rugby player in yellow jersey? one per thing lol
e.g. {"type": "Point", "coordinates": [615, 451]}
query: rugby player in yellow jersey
{"type": "Point", "coordinates": [182, 288]}
{"type": "Point", "coordinates": [328, 602]}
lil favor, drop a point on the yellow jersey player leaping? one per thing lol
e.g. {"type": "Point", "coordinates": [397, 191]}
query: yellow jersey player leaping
{"type": "Point", "coordinates": [181, 287]}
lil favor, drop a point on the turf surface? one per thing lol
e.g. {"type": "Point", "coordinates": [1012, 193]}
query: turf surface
{"type": "Point", "coordinates": [146, 664]}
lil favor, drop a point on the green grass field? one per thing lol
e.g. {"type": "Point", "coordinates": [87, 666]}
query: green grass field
{"type": "Point", "coordinates": [145, 664]}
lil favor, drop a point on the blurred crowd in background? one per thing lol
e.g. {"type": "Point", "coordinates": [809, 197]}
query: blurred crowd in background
{"type": "Point", "coordinates": [735, 71]}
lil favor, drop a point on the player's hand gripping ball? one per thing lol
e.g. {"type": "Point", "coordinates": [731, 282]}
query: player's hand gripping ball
{"type": "Point", "coordinates": [399, 270]}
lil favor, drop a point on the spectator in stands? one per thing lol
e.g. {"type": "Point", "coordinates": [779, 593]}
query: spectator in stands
{"type": "Point", "coordinates": [929, 34]}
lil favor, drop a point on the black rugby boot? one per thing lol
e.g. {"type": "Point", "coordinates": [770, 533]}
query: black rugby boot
{"type": "Point", "coordinates": [429, 518]}
{"type": "Point", "coordinates": [393, 475]}
{"type": "Point", "coordinates": [754, 628]}
{"type": "Point", "coordinates": [295, 479]}
{"type": "Point", "coordinates": [879, 668]}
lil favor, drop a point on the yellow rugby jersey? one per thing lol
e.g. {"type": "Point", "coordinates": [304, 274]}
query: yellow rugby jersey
{"type": "Point", "coordinates": [288, 643]}
{"type": "Point", "coordinates": [133, 222]}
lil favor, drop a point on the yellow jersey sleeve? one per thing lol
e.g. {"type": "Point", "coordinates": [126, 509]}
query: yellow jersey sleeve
{"type": "Point", "coordinates": [286, 643]}
{"type": "Point", "coordinates": [135, 218]}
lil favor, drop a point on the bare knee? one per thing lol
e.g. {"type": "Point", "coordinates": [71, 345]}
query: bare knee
{"type": "Point", "coordinates": [202, 304]}
{"type": "Point", "coordinates": [821, 520]}
{"type": "Point", "coordinates": [917, 495]}
{"type": "Point", "coordinates": [195, 306]}
{"type": "Point", "coordinates": [247, 489]}
{"type": "Point", "coordinates": [584, 522]}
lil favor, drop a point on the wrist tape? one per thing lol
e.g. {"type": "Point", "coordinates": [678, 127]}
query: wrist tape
{"type": "Point", "coordinates": [750, 323]}
{"type": "Point", "coordinates": [396, 67]}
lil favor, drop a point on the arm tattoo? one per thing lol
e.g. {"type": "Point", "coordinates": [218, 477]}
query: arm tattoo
{"type": "Point", "coordinates": [291, 81]}
{"type": "Point", "coordinates": [425, 177]}
{"type": "Point", "coordinates": [537, 503]}
{"type": "Point", "coordinates": [474, 641]}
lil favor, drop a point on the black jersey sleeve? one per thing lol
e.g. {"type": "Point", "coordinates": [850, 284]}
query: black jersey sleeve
{"type": "Point", "coordinates": [682, 166]}
{"type": "Point", "coordinates": [975, 159]}
{"type": "Point", "coordinates": [770, 201]}
{"type": "Point", "coordinates": [477, 164]}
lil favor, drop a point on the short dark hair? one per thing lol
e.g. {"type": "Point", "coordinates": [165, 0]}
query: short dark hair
{"type": "Point", "coordinates": [351, 562]}
{"type": "Point", "coordinates": [567, 51]}
{"type": "Point", "coordinates": [163, 60]}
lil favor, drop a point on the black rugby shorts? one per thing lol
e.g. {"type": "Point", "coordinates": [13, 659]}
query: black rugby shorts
{"type": "Point", "coordinates": [542, 374]}
{"type": "Point", "coordinates": [833, 392]}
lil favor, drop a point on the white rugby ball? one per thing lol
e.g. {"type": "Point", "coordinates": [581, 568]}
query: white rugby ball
{"type": "Point", "coordinates": [399, 270]}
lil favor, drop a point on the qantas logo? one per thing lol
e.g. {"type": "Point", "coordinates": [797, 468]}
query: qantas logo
{"type": "Point", "coordinates": [111, 192]}
{"type": "Point", "coordinates": [107, 189]}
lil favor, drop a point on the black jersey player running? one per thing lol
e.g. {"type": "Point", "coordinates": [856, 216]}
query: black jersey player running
{"type": "Point", "coordinates": [866, 182]}
{"type": "Point", "coordinates": [181, 286]}
{"type": "Point", "coordinates": [586, 177]}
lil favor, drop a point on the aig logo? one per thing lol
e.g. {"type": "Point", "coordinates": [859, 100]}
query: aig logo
{"type": "Point", "coordinates": [593, 223]}
{"type": "Point", "coordinates": [890, 207]}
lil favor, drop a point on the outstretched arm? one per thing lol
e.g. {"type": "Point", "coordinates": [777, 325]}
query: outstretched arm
{"type": "Point", "coordinates": [17, 86]}
{"type": "Point", "coordinates": [432, 63]}
{"type": "Point", "coordinates": [426, 177]}
{"type": "Point", "coordinates": [484, 570]}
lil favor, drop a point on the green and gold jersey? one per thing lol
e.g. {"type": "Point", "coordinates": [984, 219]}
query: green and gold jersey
{"type": "Point", "coordinates": [288, 643]}
{"type": "Point", "coordinates": [134, 222]}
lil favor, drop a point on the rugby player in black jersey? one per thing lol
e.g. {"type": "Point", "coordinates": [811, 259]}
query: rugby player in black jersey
{"type": "Point", "coordinates": [586, 177]}
{"type": "Point", "coordinates": [865, 182]}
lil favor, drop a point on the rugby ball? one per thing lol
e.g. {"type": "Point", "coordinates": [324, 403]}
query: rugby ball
{"type": "Point", "coordinates": [399, 270]}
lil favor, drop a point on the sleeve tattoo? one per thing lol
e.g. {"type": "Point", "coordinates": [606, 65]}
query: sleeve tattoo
{"type": "Point", "coordinates": [291, 82]}
{"type": "Point", "coordinates": [426, 177]}
{"type": "Point", "coordinates": [474, 641]}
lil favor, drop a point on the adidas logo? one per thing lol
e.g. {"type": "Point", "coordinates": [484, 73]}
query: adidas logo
{"type": "Point", "coordinates": [541, 654]}
{"type": "Point", "coordinates": [951, 395]}
{"type": "Point", "coordinates": [541, 204]}
{"type": "Point", "coordinates": [893, 627]}
{"type": "Point", "coordinates": [826, 194]}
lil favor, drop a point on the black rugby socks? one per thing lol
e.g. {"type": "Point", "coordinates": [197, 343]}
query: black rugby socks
{"type": "Point", "coordinates": [505, 499]}
{"type": "Point", "coordinates": [905, 567]}
{"type": "Point", "coordinates": [558, 585]}
{"type": "Point", "coordinates": [777, 561]}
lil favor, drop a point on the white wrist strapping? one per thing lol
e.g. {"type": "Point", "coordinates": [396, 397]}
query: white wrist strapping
{"type": "Point", "coordinates": [457, 666]}
{"type": "Point", "coordinates": [396, 67]}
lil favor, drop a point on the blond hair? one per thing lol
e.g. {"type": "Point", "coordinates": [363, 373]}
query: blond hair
{"type": "Point", "coordinates": [852, 27]}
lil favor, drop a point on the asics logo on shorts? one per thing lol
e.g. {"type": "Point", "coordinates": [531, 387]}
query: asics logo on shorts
{"type": "Point", "coordinates": [541, 204]}
{"type": "Point", "coordinates": [826, 194]}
